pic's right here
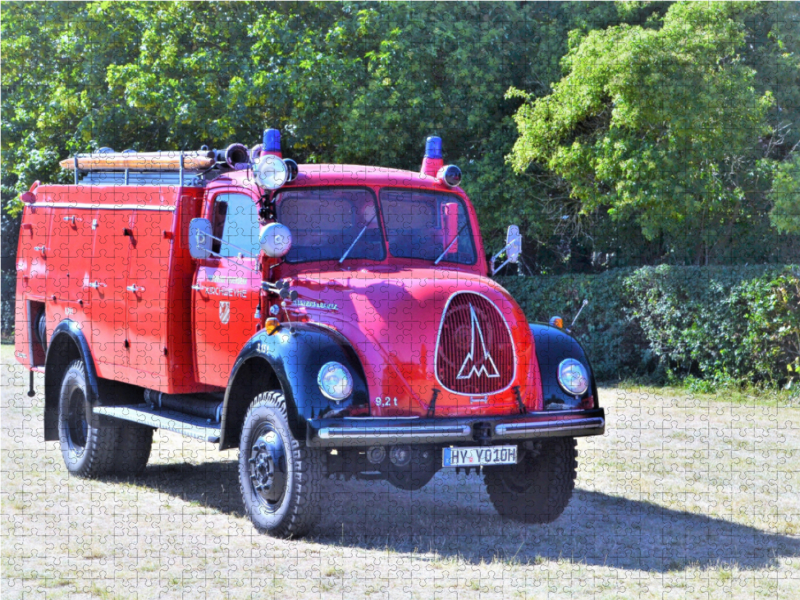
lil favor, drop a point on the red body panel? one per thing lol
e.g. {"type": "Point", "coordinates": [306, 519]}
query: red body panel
{"type": "Point", "coordinates": [104, 240]}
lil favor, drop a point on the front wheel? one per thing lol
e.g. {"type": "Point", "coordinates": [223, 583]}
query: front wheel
{"type": "Point", "coordinates": [279, 476]}
{"type": "Point", "coordinates": [539, 487]}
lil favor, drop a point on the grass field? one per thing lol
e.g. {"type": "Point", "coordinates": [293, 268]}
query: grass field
{"type": "Point", "coordinates": [684, 497]}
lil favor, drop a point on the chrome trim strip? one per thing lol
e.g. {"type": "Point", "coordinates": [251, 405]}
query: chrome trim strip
{"type": "Point", "coordinates": [515, 428]}
{"type": "Point", "coordinates": [433, 431]}
{"type": "Point", "coordinates": [102, 206]}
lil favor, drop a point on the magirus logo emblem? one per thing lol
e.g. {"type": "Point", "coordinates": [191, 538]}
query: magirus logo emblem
{"type": "Point", "coordinates": [478, 360]}
{"type": "Point", "coordinates": [474, 350]}
{"type": "Point", "coordinates": [224, 312]}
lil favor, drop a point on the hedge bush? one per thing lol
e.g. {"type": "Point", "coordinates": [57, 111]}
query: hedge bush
{"type": "Point", "coordinates": [615, 344]}
{"type": "Point", "coordinates": [719, 324]}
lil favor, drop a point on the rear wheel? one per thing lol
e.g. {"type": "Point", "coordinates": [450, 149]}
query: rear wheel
{"type": "Point", "coordinates": [133, 452]}
{"type": "Point", "coordinates": [279, 476]}
{"type": "Point", "coordinates": [539, 487]}
{"type": "Point", "coordinates": [88, 441]}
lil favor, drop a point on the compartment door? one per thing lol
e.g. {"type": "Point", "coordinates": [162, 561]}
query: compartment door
{"type": "Point", "coordinates": [146, 293]}
{"type": "Point", "coordinates": [72, 233]}
{"type": "Point", "coordinates": [33, 251]}
{"type": "Point", "coordinates": [107, 283]}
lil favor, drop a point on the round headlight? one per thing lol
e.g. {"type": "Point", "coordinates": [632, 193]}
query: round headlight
{"type": "Point", "coordinates": [573, 377]}
{"type": "Point", "coordinates": [335, 381]}
{"type": "Point", "coordinates": [271, 172]}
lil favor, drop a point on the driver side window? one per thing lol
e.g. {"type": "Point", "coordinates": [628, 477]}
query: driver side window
{"type": "Point", "coordinates": [236, 222]}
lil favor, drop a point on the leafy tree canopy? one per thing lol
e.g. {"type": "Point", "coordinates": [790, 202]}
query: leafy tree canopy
{"type": "Point", "coordinates": [666, 124]}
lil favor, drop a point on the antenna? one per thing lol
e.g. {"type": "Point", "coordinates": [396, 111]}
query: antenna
{"type": "Point", "coordinates": [580, 310]}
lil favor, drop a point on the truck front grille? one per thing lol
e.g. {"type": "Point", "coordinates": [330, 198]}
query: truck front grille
{"type": "Point", "coordinates": [474, 350]}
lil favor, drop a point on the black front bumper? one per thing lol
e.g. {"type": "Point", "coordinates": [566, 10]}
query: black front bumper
{"type": "Point", "coordinates": [372, 431]}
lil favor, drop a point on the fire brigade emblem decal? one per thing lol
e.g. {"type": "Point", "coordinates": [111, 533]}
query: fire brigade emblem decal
{"type": "Point", "coordinates": [470, 365]}
{"type": "Point", "coordinates": [224, 312]}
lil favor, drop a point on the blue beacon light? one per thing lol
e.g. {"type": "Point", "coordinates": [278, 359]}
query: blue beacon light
{"type": "Point", "coordinates": [433, 147]}
{"type": "Point", "coordinates": [272, 140]}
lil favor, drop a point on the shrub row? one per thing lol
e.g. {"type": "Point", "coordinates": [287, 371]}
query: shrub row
{"type": "Point", "coordinates": [720, 324]}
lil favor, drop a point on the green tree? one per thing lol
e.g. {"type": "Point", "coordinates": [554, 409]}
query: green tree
{"type": "Point", "coordinates": [662, 124]}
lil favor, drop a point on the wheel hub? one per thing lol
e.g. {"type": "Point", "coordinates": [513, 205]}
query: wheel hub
{"type": "Point", "coordinates": [268, 467]}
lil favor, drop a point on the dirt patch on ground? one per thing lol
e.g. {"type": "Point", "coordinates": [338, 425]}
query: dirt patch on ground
{"type": "Point", "coordinates": [683, 497]}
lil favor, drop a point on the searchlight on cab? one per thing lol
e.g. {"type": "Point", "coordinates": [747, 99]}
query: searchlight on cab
{"type": "Point", "coordinates": [433, 165]}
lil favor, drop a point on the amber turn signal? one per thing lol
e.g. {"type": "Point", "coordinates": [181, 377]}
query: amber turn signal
{"type": "Point", "coordinates": [557, 322]}
{"type": "Point", "coordinates": [272, 325]}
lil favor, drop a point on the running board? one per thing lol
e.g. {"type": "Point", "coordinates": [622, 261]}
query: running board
{"type": "Point", "coordinates": [188, 425]}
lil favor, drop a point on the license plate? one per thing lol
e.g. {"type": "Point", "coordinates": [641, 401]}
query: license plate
{"type": "Point", "coordinates": [476, 457]}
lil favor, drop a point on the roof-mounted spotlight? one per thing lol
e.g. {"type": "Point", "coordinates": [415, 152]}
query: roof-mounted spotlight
{"type": "Point", "coordinates": [271, 172]}
{"type": "Point", "coordinates": [450, 174]}
{"type": "Point", "coordinates": [292, 167]}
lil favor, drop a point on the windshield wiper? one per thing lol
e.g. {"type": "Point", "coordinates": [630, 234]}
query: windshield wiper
{"type": "Point", "coordinates": [358, 237]}
{"type": "Point", "coordinates": [450, 245]}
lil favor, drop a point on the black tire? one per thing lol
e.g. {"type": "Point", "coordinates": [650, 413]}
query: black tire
{"type": "Point", "coordinates": [133, 451]}
{"type": "Point", "coordinates": [539, 487]}
{"type": "Point", "coordinates": [88, 441]}
{"type": "Point", "coordinates": [279, 476]}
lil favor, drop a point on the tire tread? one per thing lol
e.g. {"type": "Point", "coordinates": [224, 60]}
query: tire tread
{"type": "Point", "coordinates": [559, 457]}
{"type": "Point", "coordinates": [304, 510]}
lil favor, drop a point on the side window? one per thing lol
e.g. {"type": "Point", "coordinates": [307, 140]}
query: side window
{"type": "Point", "coordinates": [236, 222]}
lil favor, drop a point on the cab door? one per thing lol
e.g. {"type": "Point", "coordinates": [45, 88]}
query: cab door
{"type": "Point", "coordinates": [226, 288]}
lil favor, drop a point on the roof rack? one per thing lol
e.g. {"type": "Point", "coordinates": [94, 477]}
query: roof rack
{"type": "Point", "coordinates": [136, 177]}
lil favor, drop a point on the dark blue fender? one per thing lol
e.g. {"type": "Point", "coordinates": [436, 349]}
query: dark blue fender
{"type": "Point", "coordinates": [295, 355]}
{"type": "Point", "coordinates": [552, 346]}
{"type": "Point", "coordinates": [66, 345]}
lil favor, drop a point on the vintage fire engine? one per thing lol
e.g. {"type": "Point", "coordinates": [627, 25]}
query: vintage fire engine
{"type": "Point", "coordinates": [325, 319]}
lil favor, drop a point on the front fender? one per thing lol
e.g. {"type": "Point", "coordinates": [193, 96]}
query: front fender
{"type": "Point", "coordinates": [295, 355]}
{"type": "Point", "coordinates": [552, 346]}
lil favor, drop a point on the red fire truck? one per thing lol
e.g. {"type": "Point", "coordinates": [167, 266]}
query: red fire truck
{"type": "Point", "coordinates": [324, 319]}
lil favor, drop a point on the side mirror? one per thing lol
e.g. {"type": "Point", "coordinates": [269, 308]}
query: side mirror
{"type": "Point", "coordinates": [513, 244]}
{"type": "Point", "coordinates": [450, 226]}
{"type": "Point", "coordinates": [513, 248]}
{"type": "Point", "coordinates": [200, 238]}
{"type": "Point", "coordinates": [275, 240]}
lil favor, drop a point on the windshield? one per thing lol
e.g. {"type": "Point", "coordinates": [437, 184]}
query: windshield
{"type": "Point", "coordinates": [326, 221]}
{"type": "Point", "coordinates": [427, 225]}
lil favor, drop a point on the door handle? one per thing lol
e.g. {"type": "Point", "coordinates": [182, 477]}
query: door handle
{"type": "Point", "coordinates": [134, 288]}
{"type": "Point", "coordinates": [96, 284]}
{"type": "Point", "coordinates": [41, 249]}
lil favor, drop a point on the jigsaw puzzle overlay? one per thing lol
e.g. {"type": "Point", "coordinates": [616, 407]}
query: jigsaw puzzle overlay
{"type": "Point", "coordinates": [238, 376]}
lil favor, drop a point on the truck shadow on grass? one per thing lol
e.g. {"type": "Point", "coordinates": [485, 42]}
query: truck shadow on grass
{"type": "Point", "coordinates": [453, 519]}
